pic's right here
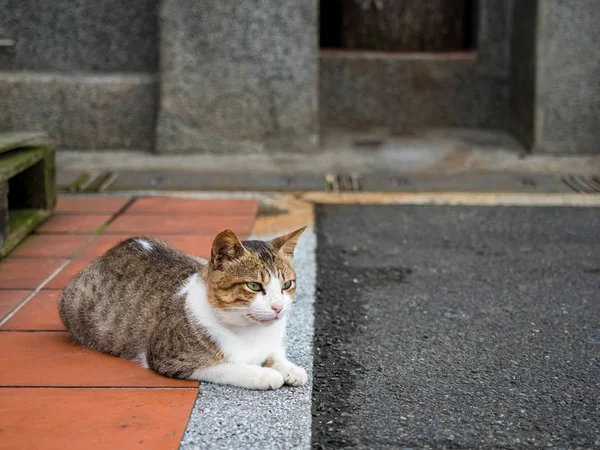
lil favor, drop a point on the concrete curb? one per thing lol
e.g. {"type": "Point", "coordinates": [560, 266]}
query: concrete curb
{"type": "Point", "coordinates": [384, 198]}
{"type": "Point", "coordinates": [226, 417]}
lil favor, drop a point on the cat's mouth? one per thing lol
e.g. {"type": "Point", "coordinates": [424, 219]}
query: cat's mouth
{"type": "Point", "coordinates": [263, 320]}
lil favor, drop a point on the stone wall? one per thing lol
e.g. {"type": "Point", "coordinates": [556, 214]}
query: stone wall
{"type": "Point", "coordinates": [555, 75]}
{"type": "Point", "coordinates": [415, 91]}
{"type": "Point", "coordinates": [238, 76]}
{"type": "Point", "coordinates": [568, 77]}
{"type": "Point", "coordinates": [80, 35]}
{"type": "Point", "coordinates": [82, 70]}
{"type": "Point", "coordinates": [408, 93]}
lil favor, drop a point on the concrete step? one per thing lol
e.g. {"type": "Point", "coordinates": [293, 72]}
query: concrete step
{"type": "Point", "coordinates": [161, 180]}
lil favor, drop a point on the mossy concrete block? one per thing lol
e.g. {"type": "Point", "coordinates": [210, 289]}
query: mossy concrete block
{"type": "Point", "coordinates": [9, 141]}
{"type": "Point", "coordinates": [3, 213]}
{"type": "Point", "coordinates": [27, 187]}
{"type": "Point", "coordinates": [18, 160]}
{"type": "Point", "coordinates": [21, 223]}
{"type": "Point", "coordinates": [33, 187]}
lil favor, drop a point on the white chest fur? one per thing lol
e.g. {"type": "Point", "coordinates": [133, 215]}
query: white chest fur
{"type": "Point", "coordinates": [249, 344]}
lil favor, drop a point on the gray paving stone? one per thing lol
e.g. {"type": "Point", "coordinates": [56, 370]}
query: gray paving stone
{"type": "Point", "coordinates": [163, 180]}
{"type": "Point", "coordinates": [66, 180]}
{"type": "Point", "coordinates": [469, 182]}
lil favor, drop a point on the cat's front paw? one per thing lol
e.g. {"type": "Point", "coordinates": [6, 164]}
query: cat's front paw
{"type": "Point", "coordinates": [294, 375]}
{"type": "Point", "coordinates": [265, 378]}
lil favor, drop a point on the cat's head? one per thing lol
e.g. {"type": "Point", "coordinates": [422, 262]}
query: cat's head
{"type": "Point", "coordinates": [251, 282]}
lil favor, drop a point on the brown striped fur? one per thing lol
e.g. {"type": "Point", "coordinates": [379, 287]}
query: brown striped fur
{"type": "Point", "coordinates": [127, 302]}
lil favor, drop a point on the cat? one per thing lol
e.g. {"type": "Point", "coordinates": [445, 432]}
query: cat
{"type": "Point", "coordinates": [221, 320]}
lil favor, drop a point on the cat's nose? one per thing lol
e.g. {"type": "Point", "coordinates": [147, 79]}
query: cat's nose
{"type": "Point", "coordinates": [276, 308]}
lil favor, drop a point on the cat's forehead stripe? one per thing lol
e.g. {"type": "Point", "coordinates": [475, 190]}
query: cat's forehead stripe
{"type": "Point", "coordinates": [264, 250]}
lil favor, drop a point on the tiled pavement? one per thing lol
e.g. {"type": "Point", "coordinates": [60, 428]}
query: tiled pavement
{"type": "Point", "coordinates": [54, 394]}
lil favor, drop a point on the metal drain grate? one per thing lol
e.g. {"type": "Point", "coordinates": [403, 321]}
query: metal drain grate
{"type": "Point", "coordinates": [582, 184]}
{"type": "Point", "coordinates": [342, 182]}
{"type": "Point", "coordinates": [90, 182]}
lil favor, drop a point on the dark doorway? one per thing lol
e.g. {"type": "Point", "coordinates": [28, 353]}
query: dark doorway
{"type": "Point", "coordinates": [398, 25]}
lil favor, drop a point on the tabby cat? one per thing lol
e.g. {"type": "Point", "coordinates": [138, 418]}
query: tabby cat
{"type": "Point", "coordinates": [221, 320]}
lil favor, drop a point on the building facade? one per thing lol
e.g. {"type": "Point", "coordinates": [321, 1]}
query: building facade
{"type": "Point", "coordinates": [249, 75]}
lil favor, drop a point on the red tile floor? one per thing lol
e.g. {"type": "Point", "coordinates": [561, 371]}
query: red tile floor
{"type": "Point", "coordinates": [55, 395]}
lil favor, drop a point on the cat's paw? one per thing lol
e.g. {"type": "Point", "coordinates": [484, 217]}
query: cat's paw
{"type": "Point", "coordinates": [294, 375]}
{"type": "Point", "coordinates": [264, 379]}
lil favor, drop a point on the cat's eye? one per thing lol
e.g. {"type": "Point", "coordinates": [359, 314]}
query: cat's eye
{"type": "Point", "coordinates": [288, 284]}
{"type": "Point", "coordinates": [254, 286]}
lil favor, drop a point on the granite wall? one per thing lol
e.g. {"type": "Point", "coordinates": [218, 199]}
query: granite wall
{"type": "Point", "coordinates": [416, 91]}
{"type": "Point", "coordinates": [81, 111]}
{"type": "Point", "coordinates": [555, 75]}
{"type": "Point", "coordinates": [238, 76]}
{"type": "Point", "coordinates": [82, 70]}
{"type": "Point", "coordinates": [568, 77]}
{"type": "Point", "coordinates": [80, 35]}
{"type": "Point", "coordinates": [408, 93]}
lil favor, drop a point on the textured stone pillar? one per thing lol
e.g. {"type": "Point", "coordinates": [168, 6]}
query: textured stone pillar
{"type": "Point", "coordinates": [555, 74]}
{"type": "Point", "coordinates": [238, 76]}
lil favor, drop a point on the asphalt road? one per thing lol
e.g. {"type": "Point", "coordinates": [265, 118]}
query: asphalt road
{"type": "Point", "coordinates": [457, 327]}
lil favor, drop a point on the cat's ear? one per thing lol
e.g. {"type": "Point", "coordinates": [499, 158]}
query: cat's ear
{"type": "Point", "coordinates": [226, 247]}
{"type": "Point", "coordinates": [287, 244]}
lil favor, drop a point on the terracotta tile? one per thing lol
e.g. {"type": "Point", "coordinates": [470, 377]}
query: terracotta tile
{"type": "Point", "coordinates": [51, 359]}
{"type": "Point", "coordinates": [73, 223]}
{"type": "Point", "coordinates": [26, 273]}
{"type": "Point", "coordinates": [52, 246]}
{"type": "Point", "coordinates": [179, 206]}
{"type": "Point", "coordinates": [101, 244]}
{"type": "Point", "coordinates": [190, 225]}
{"type": "Point", "coordinates": [9, 299]}
{"type": "Point", "coordinates": [39, 313]}
{"type": "Point", "coordinates": [90, 205]}
{"type": "Point", "coordinates": [112, 419]}
{"type": "Point", "coordinates": [61, 280]}
{"type": "Point", "coordinates": [194, 245]}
